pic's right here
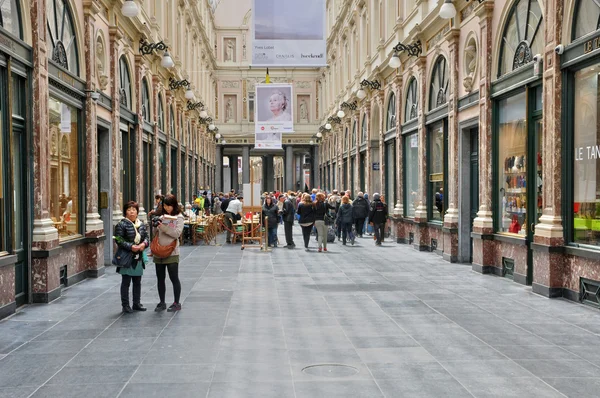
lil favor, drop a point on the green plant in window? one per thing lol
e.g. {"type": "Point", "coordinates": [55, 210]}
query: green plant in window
{"type": "Point", "coordinates": [597, 210]}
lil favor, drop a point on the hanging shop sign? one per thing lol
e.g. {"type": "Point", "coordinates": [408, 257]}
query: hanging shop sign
{"type": "Point", "coordinates": [274, 108]}
{"type": "Point", "coordinates": [289, 33]}
{"type": "Point", "coordinates": [267, 140]}
{"type": "Point", "coordinates": [376, 166]}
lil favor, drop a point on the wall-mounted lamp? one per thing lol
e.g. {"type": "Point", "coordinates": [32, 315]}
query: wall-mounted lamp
{"type": "Point", "coordinates": [334, 119]}
{"type": "Point", "coordinates": [203, 114]}
{"type": "Point", "coordinates": [149, 48]}
{"type": "Point", "coordinates": [372, 84]}
{"type": "Point", "coordinates": [94, 95]}
{"type": "Point", "coordinates": [413, 50]}
{"type": "Point", "coordinates": [130, 9]}
{"type": "Point", "coordinates": [349, 105]}
{"type": "Point", "coordinates": [189, 94]}
{"type": "Point", "coordinates": [175, 84]}
{"type": "Point", "coordinates": [194, 105]}
{"type": "Point", "coordinates": [448, 10]}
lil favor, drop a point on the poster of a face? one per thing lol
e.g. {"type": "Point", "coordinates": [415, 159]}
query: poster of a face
{"type": "Point", "coordinates": [274, 108]}
{"type": "Point", "coordinates": [288, 33]}
{"type": "Point", "coordinates": [267, 140]}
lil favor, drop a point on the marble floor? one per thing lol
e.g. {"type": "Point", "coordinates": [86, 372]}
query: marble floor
{"type": "Point", "coordinates": [358, 321]}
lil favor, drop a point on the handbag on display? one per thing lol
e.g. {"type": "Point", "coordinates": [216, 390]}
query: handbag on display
{"type": "Point", "coordinates": [161, 251]}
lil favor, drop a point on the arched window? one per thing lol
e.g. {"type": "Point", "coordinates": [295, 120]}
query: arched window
{"type": "Point", "coordinates": [10, 17]}
{"type": "Point", "coordinates": [587, 18]}
{"type": "Point", "coordinates": [61, 35]}
{"type": "Point", "coordinates": [146, 110]}
{"type": "Point", "coordinates": [523, 36]}
{"type": "Point", "coordinates": [346, 139]}
{"type": "Point", "coordinates": [353, 142]}
{"type": "Point", "coordinates": [439, 84]}
{"type": "Point", "coordinates": [161, 114]}
{"type": "Point", "coordinates": [411, 105]}
{"type": "Point", "coordinates": [364, 129]}
{"type": "Point", "coordinates": [125, 83]}
{"type": "Point", "coordinates": [391, 113]}
{"type": "Point", "coordinates": [172, 122]}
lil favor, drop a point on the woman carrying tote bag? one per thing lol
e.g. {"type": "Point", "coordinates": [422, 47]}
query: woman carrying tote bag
{"type": "Point", "coordinates": [165, 249]}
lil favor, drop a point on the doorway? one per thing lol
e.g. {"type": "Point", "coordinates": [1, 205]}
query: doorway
{"type": "Point", "coordinates": [105, 184]}
{"type": "Point", "coordinates": [469, 197]}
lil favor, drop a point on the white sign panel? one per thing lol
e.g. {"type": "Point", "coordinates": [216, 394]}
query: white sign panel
{"type": "Point", "coordinates": [267, 140]}
{"type": "Point", "coordinates": [289, 33]}
{"type": "Point", "coordinates": [274, 108]}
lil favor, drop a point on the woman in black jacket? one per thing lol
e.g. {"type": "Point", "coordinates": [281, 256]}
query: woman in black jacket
{"type": "Point", "coordinates": [271, 210]}
{"type": "Point", "coordinates": [360, 211]}
{"type": "Point", "coordinates": [321, 209]}
{"type": "Point", "coordinates": [344, 217]}
{"type": "Point", "coordinates": [131, 235]}
{"type": "Point", "coordinates": [306, 210]}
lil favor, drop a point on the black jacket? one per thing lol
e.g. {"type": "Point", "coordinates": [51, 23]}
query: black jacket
{"type": "Point", "coordinates": [379, 212]}
{"type": "Point", "coordinates": [289, 214]}
{"type": "Point", "coordinates": [125, 230]}
{"type": "Point", "coordinates": [321, 209]}
{"type": "Point", "coordinates": [307, 213]}
{"type": "Point", "coordinates": [272, 212]}
{"type": "Point", "coordinates": [225, 204]}
{"type": "Point", "coordinates": [360, 208]}
{"type": "Point", "coordinates": [344, 214]}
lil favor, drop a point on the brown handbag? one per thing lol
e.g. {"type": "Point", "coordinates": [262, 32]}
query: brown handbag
{"type": "Point", "coordinates": [161, 251]}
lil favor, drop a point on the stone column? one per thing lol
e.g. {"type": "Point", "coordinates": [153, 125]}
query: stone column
{"type": "Point", "coordinates": [483, 225]}
{"type": "Point", "coordinates": [450, 228]}
{"type": "Point", "coordinates": [115, 36]}
{"type": "Point", "coordinates": [234, 172]}
{"type": "Point", "coordinates": [44, 278]}
{"type": "Point", "coordinates": [289, 178]}
{"type": "Point", "coordinates": [269, 173]}
{"type": "Point", "coordinates": [219, 169]}
{"type": "Point", "coordinates": [140, 70]}
{"type": "Point", "coordinates": [316, 171]}
{"type": "Point", "coordinates": [246, 165]}
{"type": "Point", "coordinates": [168, 132]}
{"type": "Point", "coordinates": [157, 87]}
{"type": "Point", "coordinates": [548, 273]}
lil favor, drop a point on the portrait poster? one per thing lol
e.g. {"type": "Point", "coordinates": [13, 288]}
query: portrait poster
{"type": "Point", "coordinates": [289, 33]}
{"type": "Point", "coordinates": [267, 140]}
{"type": "Point", "coordinates": [274, 108]}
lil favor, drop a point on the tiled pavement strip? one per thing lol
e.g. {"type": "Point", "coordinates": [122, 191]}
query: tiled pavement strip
{"type": "Point", "coordinates": [407, 324]}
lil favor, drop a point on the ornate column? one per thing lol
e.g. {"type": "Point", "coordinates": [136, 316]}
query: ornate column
{"type": "Point", "coordinates": [399, 163]}
{"type": "Point", "coordinates": [379, 141]}
{"type": "Point", "coordinates": [178, 134]}
{"type": "Point", "coordinates": [421, 210]}
{"type": "Point", "coordinates": [367, 116]}
{"type": "Point", "coordinates": [168, 133]}
{"type": "Point", "coordinates": [450, 228]}
{"type": "Point", "coordinates": [157, 88]}
{"type": "Point", "coordinates": [115, 37]}
{"type": "Point", "coordinates": [219, 169]}
{"type": "Point", "coordinates": [547, 270]}
{"type": "Point", "coordinates": [483, 225]}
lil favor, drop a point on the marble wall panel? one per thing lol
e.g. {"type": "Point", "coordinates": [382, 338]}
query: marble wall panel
{"type": "Point", "coordinates": [7, 285]}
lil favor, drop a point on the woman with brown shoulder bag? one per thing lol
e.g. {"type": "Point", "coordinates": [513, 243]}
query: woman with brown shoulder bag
{"type": "Point", "coordinates": [165, 250]}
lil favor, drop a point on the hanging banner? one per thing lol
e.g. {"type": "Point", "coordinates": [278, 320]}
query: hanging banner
{"type": "Point", "coordinates": [289, 33]}
{"type": "Point", "coordinates": [274, 108]}
{"type": "Point", "coordinates": [267, 140]}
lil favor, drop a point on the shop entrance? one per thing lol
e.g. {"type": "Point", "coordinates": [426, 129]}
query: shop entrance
{"type": "Point", "coordinates": [473, 183]}
{"type": "Point", "coordinates": [104, 185]}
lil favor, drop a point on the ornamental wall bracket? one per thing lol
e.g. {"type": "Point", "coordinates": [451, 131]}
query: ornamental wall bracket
{"type": "Point", "coordinates": [175, 84]}
{"type": "Point", "coordinates": [413, 50]}
{"type": "Point", "coordinates": [147, 48]}
{"type": "Point", "coordinates": [372, 84]}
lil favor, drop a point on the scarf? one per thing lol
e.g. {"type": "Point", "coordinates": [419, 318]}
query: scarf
{"type": "Point", "coordinates": [136, 226]}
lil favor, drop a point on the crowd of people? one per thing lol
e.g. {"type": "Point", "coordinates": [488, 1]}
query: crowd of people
{"type": "Point", "coordinates": [326, 215]}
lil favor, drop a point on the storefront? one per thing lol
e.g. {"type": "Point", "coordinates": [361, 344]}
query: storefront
{"type": "Point", "coordinates": [15, 166]}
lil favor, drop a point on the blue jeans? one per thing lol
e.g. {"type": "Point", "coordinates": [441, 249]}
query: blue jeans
{"type": "Point", "coordinates": [272, 235]}
{"type": "Point", "coordinates": [347, 231]}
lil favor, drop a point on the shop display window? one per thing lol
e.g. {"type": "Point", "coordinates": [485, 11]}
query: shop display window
{"type": "Point", "coordinates": [411, 167]}
{"type": "Point", "coordinates": [64, 168]}
{"type": "Point", "coordinates": [436, 172]}
{"type": "Point", "coordinates": [512, 165]}
{"type": "Point", "coordinates": [586, 167]}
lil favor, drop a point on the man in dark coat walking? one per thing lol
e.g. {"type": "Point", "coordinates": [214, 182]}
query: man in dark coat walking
{"type": "Point", "coordinates": [360, 211]}
{"type": "Point", "coordinates": [378, 217]}
{"type": "Point", "coordinates": [289, 214]}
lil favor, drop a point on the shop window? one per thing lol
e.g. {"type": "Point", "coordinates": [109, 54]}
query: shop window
{"type": "Point", "coordinates": [439, 84]}
{"type": "Point", "coordinates": [411, 169]}
{"type": "Point", "coordinates": [587, 18]}
{"type": "Point", "coordinates": [437, 167]}
{"type": "Point", "coordinates": [391, 114]}
{"type": "Point", "coordinates": [60, 35]}
{"type": "Point", "coordinates": [161, 114]}
{"type": "Point", "coordinates": [10, 17]}
{"type": "Point", "coordinates": [523, 36]}
{"type": "Point", "coordinates": [64, 168]}
{"type": "Point", "coordinates": [146, 110]}
{"type": "Point", "coordinates": [353, 140]}
{"type": "Point", "coordinates": [390, 170]}
{"type": "Point", "coordinates": [124, 83]}
{"type": "Point", "coordinates": [411, 110]}
{"type": "Point", "coordinates": [586, 167]}
{"type": "Point", "coordinates": [512, 164]}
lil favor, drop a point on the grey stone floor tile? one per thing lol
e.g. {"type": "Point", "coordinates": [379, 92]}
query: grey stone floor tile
{"type": "Point", "coordinates": [423, 388]}
{"type": "Point", "coordinates": [559, 368]}
{"type": "Point", "coordinates": [155, 390]}
{"type": "Point", "coordinates": [191, 355]}
{"type": "Point", "coordinates": [392, 355]}
{"type": "Point", "coordinates": [485, 368]}
{"type": "Point", "coordinates": [92, 374]}
{"type": "Point", "coordinates": [52, 347]}
{"type": "Point", "coordinates": [575, 386]}
{"type": "Point", "coordinates": [250, 372]}
{"type": "Point", "coordinates": [249, 355]}
{"type": "Point", "coordinates": [16, 392]}
{"type": "Point", "coordinates": [331, 389]}
{"type": "Point", "coordinates": [178, 373]}
{"type": "Point", "coordinates": [121, 344]}
{"type": "Point", "coordinates": [267, 389]}
{"type": "Point", "coordinates": [84, 334]}
{"type": "Point", "coordinates": [30, 369]}
{"type": "Point", "coordinates": [538, 352]}
{"type": "Point", "coordinates": [399, 340]}
{"type": "Point", "coordinates": [509, 387]}
{"type": "Point", "coordinates": [107, 358]}
{"type": "Point", "coordinates": [409, 370]}
{"type": "Point", "coordinates": [318, 356]}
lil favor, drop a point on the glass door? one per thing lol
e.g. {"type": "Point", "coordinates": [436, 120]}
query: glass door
{"type": "Point", "coordinates": [474, 179]}
{"type": "Point", "coordinates": [535, 204]}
